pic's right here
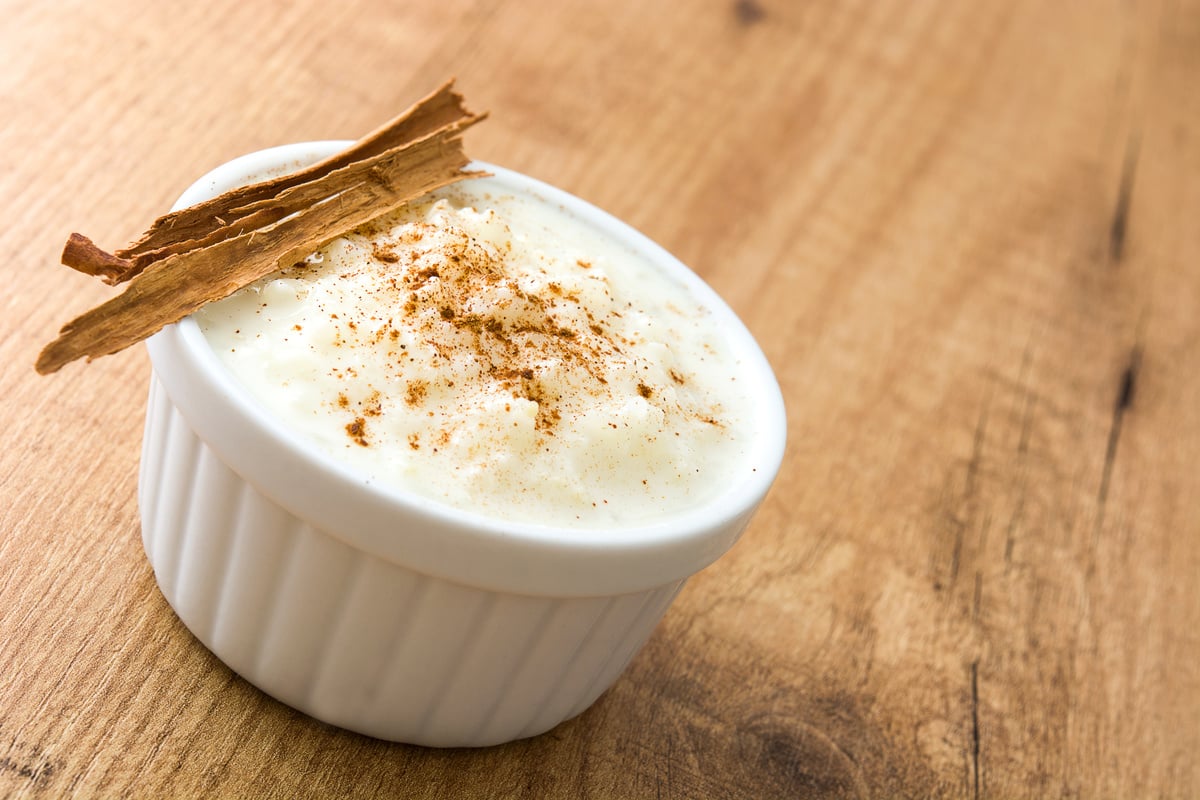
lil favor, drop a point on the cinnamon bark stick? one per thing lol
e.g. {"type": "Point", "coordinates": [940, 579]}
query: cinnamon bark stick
{"type": "Point", "coordinates": [207, 252]}
{"type": "Point", "coordinates": [82, 254]}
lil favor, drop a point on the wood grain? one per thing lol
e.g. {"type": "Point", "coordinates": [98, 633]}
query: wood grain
{"type": "Point", "coordinates": [966, 236]}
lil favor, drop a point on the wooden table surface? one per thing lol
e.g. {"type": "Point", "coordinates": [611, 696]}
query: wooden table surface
{"type": "Point", "coordinates": [967, 236]}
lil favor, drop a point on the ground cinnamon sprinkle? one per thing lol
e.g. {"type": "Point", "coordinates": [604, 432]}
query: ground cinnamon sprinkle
{"type": "Point", "coordinates": [416, 392]}
{"type": "Point", "coordinates": [357, 430]}
{"type": "Point", "coordinates": [472, 307]}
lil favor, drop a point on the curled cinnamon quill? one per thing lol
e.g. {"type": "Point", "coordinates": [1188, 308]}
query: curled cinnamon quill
{"type": "Point", "coordinates": [207, 252]}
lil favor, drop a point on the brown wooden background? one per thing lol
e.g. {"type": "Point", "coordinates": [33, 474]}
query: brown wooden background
{"type": "Point", "coordinates": [967, 235]}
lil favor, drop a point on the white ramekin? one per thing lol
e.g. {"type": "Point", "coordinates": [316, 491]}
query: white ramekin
{"type": "Point", "coordinates": [378, 610]}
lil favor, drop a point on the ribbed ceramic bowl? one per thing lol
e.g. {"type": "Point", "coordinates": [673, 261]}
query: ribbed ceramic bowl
{"type": "Point", "coordinates": [378, 610]}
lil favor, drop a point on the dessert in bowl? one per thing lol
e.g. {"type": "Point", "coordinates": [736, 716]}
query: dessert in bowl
{"type": "Point", "coordinates": [438, 482]}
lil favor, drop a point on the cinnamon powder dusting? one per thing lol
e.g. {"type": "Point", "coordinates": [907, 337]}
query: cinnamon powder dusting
{"type": "Point", "coordinates": [464, 301]}
{"type": "Point", "coordinates": [357, 431]}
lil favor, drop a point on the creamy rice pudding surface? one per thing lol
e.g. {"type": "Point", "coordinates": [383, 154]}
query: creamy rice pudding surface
{"type": "Point", "coordinates": [492, 352]}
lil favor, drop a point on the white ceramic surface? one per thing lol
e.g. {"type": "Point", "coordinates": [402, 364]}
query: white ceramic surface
{"type": "Point", "coordinates": [381, 611]}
